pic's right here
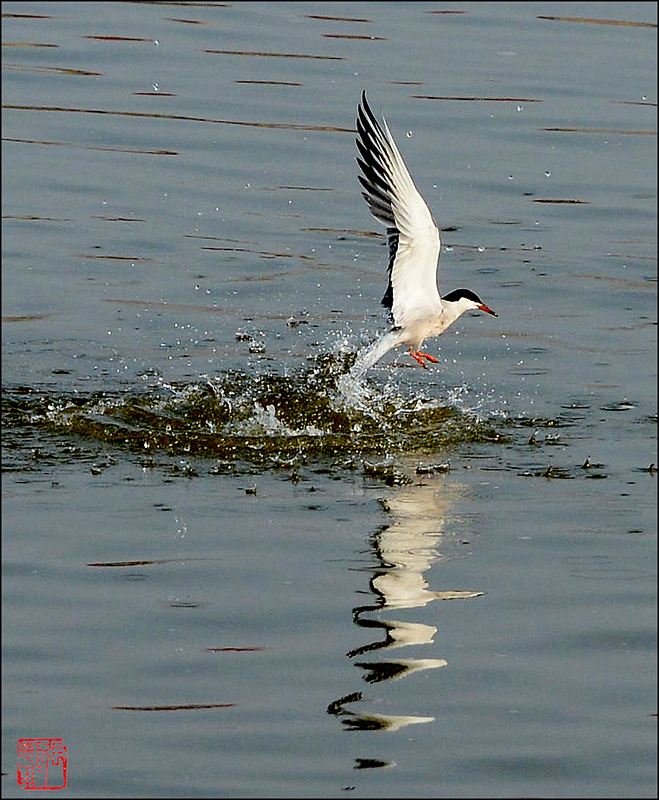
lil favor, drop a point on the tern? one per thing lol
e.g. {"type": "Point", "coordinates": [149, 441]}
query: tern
{"type": "Point", "coordinates": [416, 308]}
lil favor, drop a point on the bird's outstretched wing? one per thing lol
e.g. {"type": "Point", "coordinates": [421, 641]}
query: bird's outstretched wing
{"type": "Point", "coordinates": [394, 200]}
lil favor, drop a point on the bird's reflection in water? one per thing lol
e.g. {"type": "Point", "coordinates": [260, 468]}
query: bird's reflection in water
{"type": "Point", "coordinates": [404, 553]}
{"type": "Point", "coordinates": [370, 722]}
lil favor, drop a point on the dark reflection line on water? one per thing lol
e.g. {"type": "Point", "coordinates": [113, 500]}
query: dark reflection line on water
{"type": "Point", "coordinates": [26, 317]}
{"type": "Point", "coordinates": [181, 707]}
{"type": "Point", "coordinates": [591, 21]}
{"type": "Point", "coordinates": [327, 18]}
{"type": "Point", "coordinates": [182, 117]}
{"type": "Point", "coordinates": [116, 219]}
{"type": "Point", "coordinates": [563, 201]}
{"type": "Point", "coordinates": [149, 562]}
{"type": "Point", "coordinates": [28, 44]}
{"type": "Point", "coordinates": [215, 238]}
{"type": "Point", "coordinates": [635, 103]}
{"type": "Point", "coordinates": [187, 21]}
{"type": "Point", "coordinates": [304, 188]}
{"type": "Point", "coordinates": [7, 15]}
{"type": "Point", "coordinates": [365, 37]}
{"type": "Point", "coordinates": [262, 253]}
{"type": "Point", "coordinates": [103, 148]}
{"type": "Point", "coordinates": [185, 4]}
{"type": "Point", "coordinates": [36, 218]}
{"type": "Point", "coordinates": [346, 231]}
{"type": "Point", "coordinates": [270, 83]}
{"type": "Point", "coordinates": [477, 99]}
{"type": "Point", "coordinates": [273, 55]}
{"type": "Point", "coordinates": [136, 259]}
{"type": "Point", "coordinates": [50, 70]}
{"type": "Point", "coordinates": [117, 38]}
{"type": "Point", "coordinates": [605, 131]}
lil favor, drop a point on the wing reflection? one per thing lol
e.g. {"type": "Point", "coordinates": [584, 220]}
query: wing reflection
{"type": "Point", "coordinates": [370, 722]}
{"type": "Point", "coordinates": [386, 670]}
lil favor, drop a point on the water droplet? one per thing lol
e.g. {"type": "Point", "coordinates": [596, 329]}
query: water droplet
{"type": "Point", "coordinates": [155, 87]}
{"type": "Point", "coordinates": [481, 249]}
{"type": "Point", "coordinates": [547, 174]}
{"type": "Point", "coordinates": [520, 108]}
{"type": "Point", "coordinates": [409, 134]}
{"type": "Point", "coordinates": [511, 177]}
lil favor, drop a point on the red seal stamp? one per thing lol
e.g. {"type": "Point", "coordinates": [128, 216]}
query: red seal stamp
{"type": "Point", "coordinates": [42, 763]}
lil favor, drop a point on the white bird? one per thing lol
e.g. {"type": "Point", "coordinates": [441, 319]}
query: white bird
{"type": "Point", "coordinates": [417, 310]}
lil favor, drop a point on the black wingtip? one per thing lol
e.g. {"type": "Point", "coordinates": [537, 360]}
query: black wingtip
{"type": "Point", "coordinates": [365, 108]}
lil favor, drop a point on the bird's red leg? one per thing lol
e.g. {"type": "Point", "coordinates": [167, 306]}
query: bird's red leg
{"type": "Point", "coordinates": [419, 356]}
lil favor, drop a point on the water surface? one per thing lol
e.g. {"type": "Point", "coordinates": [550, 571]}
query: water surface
{"type": "Point", "coordinates": [223, 576]}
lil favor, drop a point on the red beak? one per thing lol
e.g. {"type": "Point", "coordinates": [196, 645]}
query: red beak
{"type": "Point", "coordinates": [483, 307]}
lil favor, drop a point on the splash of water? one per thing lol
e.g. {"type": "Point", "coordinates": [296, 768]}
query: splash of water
{"type": "Point", "coordinates": [322, 411]}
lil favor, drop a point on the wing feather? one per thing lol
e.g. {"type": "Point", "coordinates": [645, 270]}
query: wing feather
{"type": "Point", "coordinates": [393, 199]}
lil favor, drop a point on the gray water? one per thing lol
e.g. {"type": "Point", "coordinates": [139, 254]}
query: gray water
{"type": "Point", "coordinates": [221, 577]}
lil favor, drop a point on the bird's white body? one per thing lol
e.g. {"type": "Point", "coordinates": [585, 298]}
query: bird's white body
{"type": "Point", "coordinates": [412, 335]}
{"type": "Point", "coordinates": [417, 309]}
